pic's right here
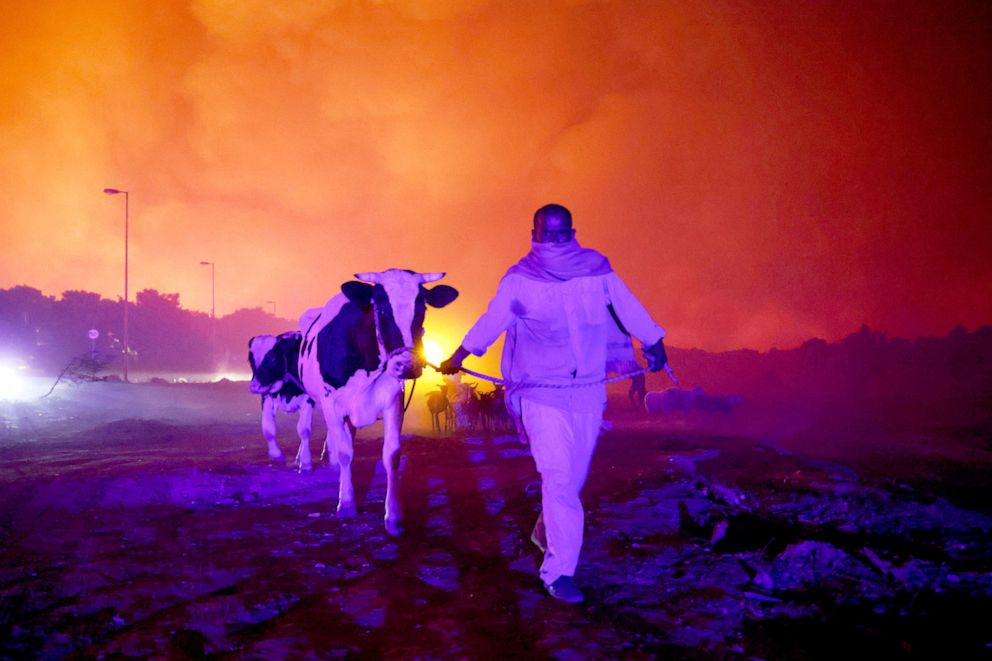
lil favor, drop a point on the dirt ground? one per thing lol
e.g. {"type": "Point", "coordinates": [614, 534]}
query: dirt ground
{"type": "Point", "coordinates": [146, 521]}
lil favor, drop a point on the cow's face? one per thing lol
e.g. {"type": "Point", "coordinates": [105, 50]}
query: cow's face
{"type": "Point", "coordinates": [268, 357]}
{"type": "Point", "coordinates": [400, 302]}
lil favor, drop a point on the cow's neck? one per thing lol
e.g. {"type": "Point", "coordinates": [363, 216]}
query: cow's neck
{"type": "Point", "coordinates": [383, 354]}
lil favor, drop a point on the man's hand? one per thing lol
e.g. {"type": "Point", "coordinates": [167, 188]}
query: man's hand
{"type": "Point", "coordinates": [454, 363]}
{"type": "Point", "coordinates": [656, 356]}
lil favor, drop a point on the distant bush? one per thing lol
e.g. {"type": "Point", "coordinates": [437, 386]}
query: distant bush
{"type": "Point", "coordinates": [49, 333]}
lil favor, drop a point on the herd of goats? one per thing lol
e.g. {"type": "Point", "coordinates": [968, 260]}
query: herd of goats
{"type": "Point", "coordinates": [457, 406]}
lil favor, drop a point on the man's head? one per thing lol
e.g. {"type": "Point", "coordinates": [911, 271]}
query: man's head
{"type": "Point", "coordinates": [552, 224]}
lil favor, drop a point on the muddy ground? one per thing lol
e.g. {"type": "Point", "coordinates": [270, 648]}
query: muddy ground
{"type": "Point", "coordinates": [146, 521]}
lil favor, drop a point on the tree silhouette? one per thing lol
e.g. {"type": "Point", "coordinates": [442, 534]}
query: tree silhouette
{"type": "Point", "coordinates": [48, 333]}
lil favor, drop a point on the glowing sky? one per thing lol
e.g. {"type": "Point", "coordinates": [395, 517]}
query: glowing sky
{"type": "Point", "coordinates": [758, 172]}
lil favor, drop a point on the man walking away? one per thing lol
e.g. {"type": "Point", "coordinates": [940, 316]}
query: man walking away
{"type": "Point", "coordinates": [555, 307]}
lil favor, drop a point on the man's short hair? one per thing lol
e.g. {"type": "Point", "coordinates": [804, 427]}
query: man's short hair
{"type": "Point", "coordinates": [555, 211]}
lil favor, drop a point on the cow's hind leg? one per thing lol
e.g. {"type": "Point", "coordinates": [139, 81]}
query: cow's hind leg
{"type": "Point", "coordinates": [341, 440]}
{"type": "Point", "coordinates": [269, 429]}
{"type": "Point", "coordinates": [303, 428]}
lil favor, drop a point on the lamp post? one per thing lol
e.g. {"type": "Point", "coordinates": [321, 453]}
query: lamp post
{"type": "Point", "coordinates": [127, 346]}
{"type": "Point", "coordinates": [213, 298]}
{"type": "Point", "coordinates": [213, 313]}
{"type": "Point", "coordinates": [273, 304]}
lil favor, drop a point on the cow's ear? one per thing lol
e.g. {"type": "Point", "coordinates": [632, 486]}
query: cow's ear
{"type": "Point", "coordinates": [358, 293]}
{"type": "Point", "coordinates": [438, 297]}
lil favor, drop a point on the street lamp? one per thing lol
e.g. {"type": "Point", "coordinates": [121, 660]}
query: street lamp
{"type": "Point", "coordinates": [213, 290]}
{"type": "Point", "coordinates": [127, 346]}
{"type": "Point", "coordinates": [213, 315]}
{"type": "Point", "coordinates": [273, 303]}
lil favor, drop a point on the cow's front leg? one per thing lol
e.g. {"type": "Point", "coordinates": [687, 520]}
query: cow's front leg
{"type": "Point", "coordinates": [269, 428]}
{"type": "Point", "coordinates": [392, 422]}
{"type": "Point", "coordinates": [303, 428]}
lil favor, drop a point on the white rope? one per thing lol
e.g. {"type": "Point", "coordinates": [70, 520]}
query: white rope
{"type": "Point", "coordinates": [524, 384]}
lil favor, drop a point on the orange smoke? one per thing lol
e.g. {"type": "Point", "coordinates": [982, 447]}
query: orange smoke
{"type": "Point", "coordinates": [758, 173]}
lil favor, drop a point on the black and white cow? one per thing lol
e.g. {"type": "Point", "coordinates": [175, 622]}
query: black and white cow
{"type": "Point", "coordinates": [275, 375]}
{"type": "Point", "coordinates": [357, 351]}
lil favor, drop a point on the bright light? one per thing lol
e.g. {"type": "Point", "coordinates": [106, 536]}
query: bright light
{"type": "Point", "coordinates": [433, 351]}
{"type": "Point", "coordinates": [11, 383]}
{"type": "Point", "coordinates": [231, 376]}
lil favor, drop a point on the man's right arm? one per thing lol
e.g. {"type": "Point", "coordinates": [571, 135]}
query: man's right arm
{"type": "Point", "coordinates": [637, 321]}
{"type": "Point", "coordinates": [635, 318]}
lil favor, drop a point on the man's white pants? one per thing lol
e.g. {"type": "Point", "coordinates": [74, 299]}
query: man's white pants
{"type": "Point", "coordinates": [562, 443]}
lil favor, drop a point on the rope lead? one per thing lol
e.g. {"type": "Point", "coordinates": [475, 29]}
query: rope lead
{"type": "Point", "coordinates": [524, 384]}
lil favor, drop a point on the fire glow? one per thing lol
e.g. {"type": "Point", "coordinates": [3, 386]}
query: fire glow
{"type": "Point", "coordinates": [759, 175]}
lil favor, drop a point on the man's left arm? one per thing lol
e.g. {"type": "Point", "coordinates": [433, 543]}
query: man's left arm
{"type": "Point", "coordinates": [497, 317]}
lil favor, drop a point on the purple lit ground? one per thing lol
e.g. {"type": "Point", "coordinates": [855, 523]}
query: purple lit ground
{"type": "Point", "coordinates": [153, 525]}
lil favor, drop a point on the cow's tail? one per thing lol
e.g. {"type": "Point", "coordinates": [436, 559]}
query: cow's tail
{"type": "Point", "coordinates": [328, 454]}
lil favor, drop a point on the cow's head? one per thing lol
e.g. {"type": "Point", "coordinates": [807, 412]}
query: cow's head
{"type": "Point", "coordinates": [268, 356]}
{"type": "Point", "coordinates": [399, 300]}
